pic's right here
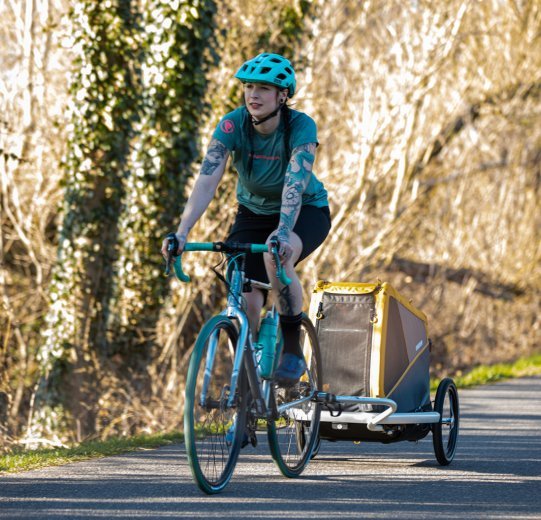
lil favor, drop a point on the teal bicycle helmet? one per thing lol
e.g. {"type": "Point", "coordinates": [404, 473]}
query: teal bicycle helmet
{"type": "Point", "coordinates": [269, 68]}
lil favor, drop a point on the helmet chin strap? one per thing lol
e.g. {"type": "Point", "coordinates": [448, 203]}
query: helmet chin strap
{"type": "Point", "coordinates": [270, 116]}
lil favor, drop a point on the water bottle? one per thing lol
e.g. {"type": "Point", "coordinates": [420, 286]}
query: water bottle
{"type": "Point", "coordinates": [267, 343]}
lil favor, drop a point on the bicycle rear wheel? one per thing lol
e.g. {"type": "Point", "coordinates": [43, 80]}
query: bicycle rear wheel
{"type": "Point", "coordinates": [294, 431]}
{"type": "Point", "coordinates": [213, 430]}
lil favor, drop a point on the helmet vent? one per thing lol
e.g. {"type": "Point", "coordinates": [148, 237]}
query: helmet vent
{"type": "Point", "coordinates": [281, 76]}
{"type": "Point", "coordinates": [264, 70]}
{"type": "Point", "coordinates": [276, 60]}
{"type": "Point", "coordinates": [288, 70]}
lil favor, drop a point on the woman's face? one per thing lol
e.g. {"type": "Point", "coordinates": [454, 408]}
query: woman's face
{"type": "Point", "coordinates": [261, 99]}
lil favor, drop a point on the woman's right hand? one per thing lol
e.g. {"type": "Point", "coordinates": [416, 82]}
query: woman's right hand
{"type": "Point", "coordinates": [181, 239]}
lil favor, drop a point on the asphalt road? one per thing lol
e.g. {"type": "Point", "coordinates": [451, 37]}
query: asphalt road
{"type": "Point", "coordinates": [496, 474]}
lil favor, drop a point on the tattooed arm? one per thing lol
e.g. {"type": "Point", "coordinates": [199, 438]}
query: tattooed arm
{"type": "Point", "coordinates": [212, 170]}
{"type": "Point", "coordinates": [296, 180]}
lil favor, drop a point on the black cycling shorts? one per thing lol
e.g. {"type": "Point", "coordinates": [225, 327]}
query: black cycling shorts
{"type": "Point", "coordinates": [312, 227]}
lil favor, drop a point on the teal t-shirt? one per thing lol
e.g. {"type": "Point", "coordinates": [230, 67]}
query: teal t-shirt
{"type": "Point", "coordinates": [261, 191]}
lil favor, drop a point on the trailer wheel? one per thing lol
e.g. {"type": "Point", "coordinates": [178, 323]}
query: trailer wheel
{"type": "Point", "coordinates": [445, 432]}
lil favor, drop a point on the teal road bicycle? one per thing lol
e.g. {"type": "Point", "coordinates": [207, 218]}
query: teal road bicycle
{"type": "Point", "coordinates": [230, 390]}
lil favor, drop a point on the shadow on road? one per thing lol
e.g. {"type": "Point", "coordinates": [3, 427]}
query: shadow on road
{"type": "Point", "coordinates": [495, 475]}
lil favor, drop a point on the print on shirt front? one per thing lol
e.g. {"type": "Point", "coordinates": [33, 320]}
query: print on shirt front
{"type": "Point", "coordinates": [267, 157]}
{"type": "Point", "coordinates": [261, 191]}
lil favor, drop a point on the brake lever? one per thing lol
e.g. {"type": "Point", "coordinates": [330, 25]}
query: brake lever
{"type": "Point", "coordinates": [172, 248]}
{"type": "Point", "coordinates": [167, 265]}
{"type": "Point", "coordinates": [280, 271]}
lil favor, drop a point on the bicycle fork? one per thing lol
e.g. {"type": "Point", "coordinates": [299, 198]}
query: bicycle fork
{"type": "Point", "coordinates": [245, 354]}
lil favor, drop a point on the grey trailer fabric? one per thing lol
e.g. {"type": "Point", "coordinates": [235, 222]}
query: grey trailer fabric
{"type": "Point", "coordinates": [345, 335]}
{"type": "Point", "coordinates": [396, 353]}
{"type": "Point", "coordinates": [406, 345]}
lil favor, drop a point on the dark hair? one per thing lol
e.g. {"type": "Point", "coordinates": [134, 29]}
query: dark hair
{"type": "Point", "coordinates": [286, 116]}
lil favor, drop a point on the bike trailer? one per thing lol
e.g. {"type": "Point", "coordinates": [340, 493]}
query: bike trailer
{"type": "Point", "coordinates": [374, 345]}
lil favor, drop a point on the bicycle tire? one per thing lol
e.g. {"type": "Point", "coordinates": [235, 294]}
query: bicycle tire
{"type": "Point", "coordinates": [292, 434]}
{"type": "Point", "coordinates": [213, 432]}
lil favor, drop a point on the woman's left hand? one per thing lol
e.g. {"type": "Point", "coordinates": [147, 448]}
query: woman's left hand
{"type": "Point", "coordinates": [285, 251]}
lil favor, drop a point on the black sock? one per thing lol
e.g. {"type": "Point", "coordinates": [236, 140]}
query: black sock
{"type": "Point", "coordinates": [291, 330]}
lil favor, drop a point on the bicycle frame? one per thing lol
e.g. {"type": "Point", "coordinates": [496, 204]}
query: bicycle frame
{"type": "Point", "coordinates": [245, 352]}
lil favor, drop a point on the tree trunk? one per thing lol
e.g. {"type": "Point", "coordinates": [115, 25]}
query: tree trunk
{"type": "Point", "coordinates": [104, 108]}
{"type": "Point", "coordinates": [175, 82]}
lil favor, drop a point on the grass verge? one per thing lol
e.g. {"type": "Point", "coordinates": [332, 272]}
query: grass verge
{"type": "Point", "coordinates": [482, 375]}
{"type": "Point", "coordinates": [24, 460]}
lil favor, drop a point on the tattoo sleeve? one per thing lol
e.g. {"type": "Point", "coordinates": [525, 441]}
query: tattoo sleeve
{"type": "Point", "coordinates": [214, 157]}
{"type": "Point", "coordinates": [296, 180]}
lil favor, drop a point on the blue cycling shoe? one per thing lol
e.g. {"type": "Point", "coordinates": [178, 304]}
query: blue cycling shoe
{"type": "Point", "coordinates": [290, 369]}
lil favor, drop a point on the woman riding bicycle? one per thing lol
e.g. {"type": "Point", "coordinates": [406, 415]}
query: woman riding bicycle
{"type": "Point", "coordinates": [273, 149]}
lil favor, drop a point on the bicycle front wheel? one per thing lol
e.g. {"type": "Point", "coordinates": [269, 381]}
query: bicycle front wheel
{"type": "Point", "coordinates": [213, 430]}
{"type": "Point", "coordinates": [295, 429]}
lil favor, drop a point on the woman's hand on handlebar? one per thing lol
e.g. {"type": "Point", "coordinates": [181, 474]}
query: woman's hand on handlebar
{"type": "Point", "coordinates": [285, 249]}
{"type": "Point", "coordinates": [172, 245]}
{"type": "Point", "coordinates": [169, 243]}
